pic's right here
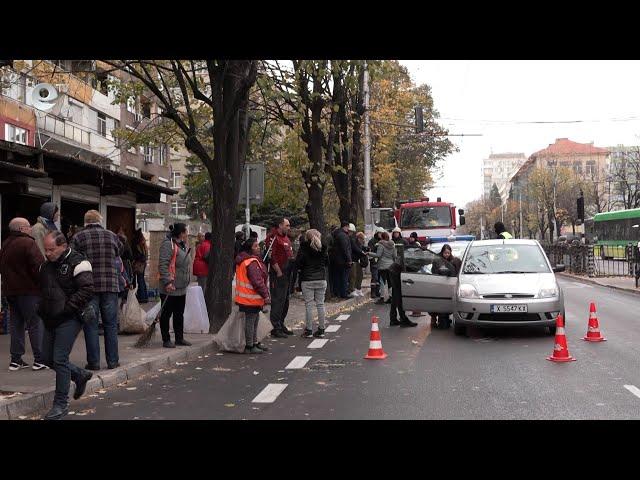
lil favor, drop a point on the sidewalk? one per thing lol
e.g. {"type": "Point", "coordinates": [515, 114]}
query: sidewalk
{"type": "Point", "coordinates": [627, 284]}
{"type": "Point", "coordinates": [25, 392]}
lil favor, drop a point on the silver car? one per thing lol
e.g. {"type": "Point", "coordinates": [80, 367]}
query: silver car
{"type": "Point", "coordinates": [501, 283]}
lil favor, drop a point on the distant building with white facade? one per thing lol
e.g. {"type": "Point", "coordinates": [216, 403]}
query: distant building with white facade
{"type": "Point", "coordinates": [497, 169]}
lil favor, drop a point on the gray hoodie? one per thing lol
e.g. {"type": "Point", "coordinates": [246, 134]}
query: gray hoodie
{"type": "Point", "coordinates": [385, 253]}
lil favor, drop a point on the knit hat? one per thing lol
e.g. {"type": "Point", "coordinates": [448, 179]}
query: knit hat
{"type": "Point", "coordinates": [352, 227]}
{"type": "Point", "coordinates": [414, 235]}
{"type": "Point", "coordinates": [397, 229]}
{"type": "Point", "coordinates": [48, 210]}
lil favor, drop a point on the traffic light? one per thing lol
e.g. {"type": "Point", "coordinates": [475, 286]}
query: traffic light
{"type": "Point", "coordinates": [419, 120]}
{"type": "Point", "coordinates": [580, 207]}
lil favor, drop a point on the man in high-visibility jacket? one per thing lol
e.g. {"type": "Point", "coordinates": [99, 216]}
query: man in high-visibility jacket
{"type": "Point", "coordinates": [251, 291]}
{"type": "Point", "coordinates": [501, 231]}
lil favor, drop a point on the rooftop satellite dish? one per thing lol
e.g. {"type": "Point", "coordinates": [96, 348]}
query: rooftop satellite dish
{"type": "Point", "coordinates": [44, 96]}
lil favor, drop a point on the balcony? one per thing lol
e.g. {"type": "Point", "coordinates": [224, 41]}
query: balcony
{"type": "Point", "coordinates": [59, 127]}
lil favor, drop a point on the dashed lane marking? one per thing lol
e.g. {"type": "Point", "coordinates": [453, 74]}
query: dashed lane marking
{"type": "Point", "coordinates": [270, 393]}
{"type": "Point", "coordinates": [633, 389]}
{"type": "Point", "coordinates": [298, 362]}
{"type": "Point", "coordinates": [318, 343]}
{"type": "Point", "coordinates": [332, 328]}
{"type": "Point", "coordinates": [343, 317]}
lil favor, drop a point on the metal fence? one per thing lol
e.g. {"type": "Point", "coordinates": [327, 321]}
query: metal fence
{"type": "Point", "coordinates": [590, 260]}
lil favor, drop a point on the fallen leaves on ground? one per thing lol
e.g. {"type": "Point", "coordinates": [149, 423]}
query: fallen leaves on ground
{"type": "Point", "coordinates": [229, 405]}
{"type": "Point", "coordinates": [86, 412]}
{"type": "Point", "coordinates": [132, 388]}
{"type": "Point", "coordinates": [221, 369]}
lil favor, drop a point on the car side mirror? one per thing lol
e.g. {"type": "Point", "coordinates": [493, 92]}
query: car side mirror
{"type": "Point", "coordinates": [559, 268]}
{"type": "Point", "coordinates": [462, 220]}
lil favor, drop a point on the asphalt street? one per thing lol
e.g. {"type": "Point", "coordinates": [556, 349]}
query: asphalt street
{"type": "Point", "coordinates": [490, 374]}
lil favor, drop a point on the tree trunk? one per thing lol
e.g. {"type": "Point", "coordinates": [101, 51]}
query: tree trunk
{"type": "Point", "coordinates": [356, 161]}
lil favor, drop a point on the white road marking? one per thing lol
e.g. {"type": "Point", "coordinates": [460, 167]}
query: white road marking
{"type": "Point", "coordinates": [332, 328]}
{"type": "Point", "coordinates": [633, 389]}
{"type": "Point", "coordinates": [343, 317]}
{"type": "Point", "coordinates": [270, 393]}
{"type": "Point", "coordinates": [298, 362]}
{"type": "Point", "coordinates": [318, 343]}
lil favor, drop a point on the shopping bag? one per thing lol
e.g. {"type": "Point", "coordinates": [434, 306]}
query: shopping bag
{"type": "Point", "coordinates": [230, 337]}
{"type": "Point", "coordinates": [384, 290]}
{"type": "Point", "coordinates": [133, 316]}
{"type": "Point", "coordinates": [196, 319]}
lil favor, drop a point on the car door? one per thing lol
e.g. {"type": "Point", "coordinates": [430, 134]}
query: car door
{"type": "Point", "coordinates": [421, 290]}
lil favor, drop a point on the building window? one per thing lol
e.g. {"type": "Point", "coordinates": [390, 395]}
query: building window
{"type": "Point", "coordinates": [132, 172]}
{"type": "Point", "coordinates": [102, 124]}
{"type": "Point", "coordinates": [100, 82]}
{"type": "Point", "coordinates": [178, 208]}
{"type": "Point", "coordinates": [131, 105]}
{"type": "Point", "coordinates": [577, 167]}
{"type": "Point", "coordinates": [160, 155]}
{"type": "Point", "coordinates": [148, 154]}
{"type": "Point", "coordinates": [116, 126]}
{"type": "Point", "coordinates": [163, 196]}
{"type": "Point", "coordinates": [591, 167]}
{"type": "Point", "coordinates": [177, 180]}
{"type": "Point", "coordinates": [15, 134]}
{"type": "Point", "coordinates": [145, 108]}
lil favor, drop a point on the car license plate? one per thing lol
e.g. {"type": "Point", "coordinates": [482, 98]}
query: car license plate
{"type": "Point", "coordinates": [508, 309]}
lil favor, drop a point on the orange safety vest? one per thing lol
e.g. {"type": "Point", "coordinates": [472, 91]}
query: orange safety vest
{"type": "Point", "coordinates": [245, 293]}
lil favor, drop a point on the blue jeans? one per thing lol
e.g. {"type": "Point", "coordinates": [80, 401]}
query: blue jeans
{"type": "Point", "coordinates": [143, 295]}
{"type": "Point", "coordinates": [104, 305]}
{"type": "Point", "coordinates": [23, 315]}
{"type": "Point", "coordinates": [56, 347]}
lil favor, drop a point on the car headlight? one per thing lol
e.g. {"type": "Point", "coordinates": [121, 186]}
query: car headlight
{"type": "Point", "coordinates": [548, 292]}
{"type": "Point", "coordinates": [467, 290]}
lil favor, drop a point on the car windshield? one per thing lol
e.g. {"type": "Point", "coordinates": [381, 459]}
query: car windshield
{"type": "Point", "coordinates": [425, 217]}
{"type": "Point", "coordinates": [505, 258]}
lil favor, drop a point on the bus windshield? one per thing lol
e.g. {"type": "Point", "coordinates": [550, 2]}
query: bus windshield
{"type": "Point", "coordinates": [425, 217]}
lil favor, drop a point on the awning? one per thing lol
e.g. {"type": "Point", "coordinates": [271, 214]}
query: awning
{"type": "Point", "coordinates": [67, 170]}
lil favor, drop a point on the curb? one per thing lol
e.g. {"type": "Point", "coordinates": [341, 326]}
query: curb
{"type": "Point", "coordinates": [594, 282]}
{"type": "Point", "coordinates": [41, 400]}
{"type": "Point", "coordinates": [334, 309]}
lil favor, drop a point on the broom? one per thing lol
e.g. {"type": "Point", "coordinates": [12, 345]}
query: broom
{"type": "Point", "coordinates": [146, 337]}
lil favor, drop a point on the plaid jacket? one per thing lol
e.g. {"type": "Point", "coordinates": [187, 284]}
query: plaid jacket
{"type": "Point", "coordinates": [101, 247]}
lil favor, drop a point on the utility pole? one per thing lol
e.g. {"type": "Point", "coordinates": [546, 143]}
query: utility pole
{"type": "Point", "coordinates": [247, 210]}
{"type": "Point", "coordinates": [368, 222]}
{"type": "Point", "coordinates": [521, 215]}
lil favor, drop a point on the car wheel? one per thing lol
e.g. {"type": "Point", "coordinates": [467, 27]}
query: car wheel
{"type": "Point", "coordinates": [459, 330]}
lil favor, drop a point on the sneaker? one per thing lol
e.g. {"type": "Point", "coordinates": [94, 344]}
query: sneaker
{"type": "Point", "coordinates": [56, 413]}
{"type": "Point", "coordinates": [81, 385]}
{"type": "Point", "coordinates": [319, 333]}
{"type": "Point", "coordinates": [261, 347]}
{"type": "Point", "coordinates": [183, 342]}
{"type": "Point", "coordinates": [168, 344]}
{"type": "Point", "coordinates": [92, 367]}
{"type": "Point", "coordinates": [20, 364]}
{"type": "Point", "coordinates": [279, 334]}
{"type": "Point", "coordinates": [39, 366]}
{"type": "Point", "coordinates": [286, 330]}
{"type": "Point", "coordinates": [307, 333]}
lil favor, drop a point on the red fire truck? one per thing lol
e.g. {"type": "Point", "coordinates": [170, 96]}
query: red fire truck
{"type": "Point", "coordinates": [426, 218]}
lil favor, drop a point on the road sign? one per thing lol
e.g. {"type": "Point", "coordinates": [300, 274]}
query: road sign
{"type": "Point", "coordinates": [256, 184]}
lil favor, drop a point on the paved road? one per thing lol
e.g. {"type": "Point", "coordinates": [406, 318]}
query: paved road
{"type": "Point", "coordinates": [493, 374]}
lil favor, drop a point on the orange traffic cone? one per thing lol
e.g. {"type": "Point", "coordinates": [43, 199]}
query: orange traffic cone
{"type": "Point", "coordinates": [560, 349]}
{"type": "Point", "coordinates": [375, 342]}
{"type": "Point", "coordinates": [593, 332]}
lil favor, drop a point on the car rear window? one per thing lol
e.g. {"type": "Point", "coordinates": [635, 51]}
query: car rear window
{"type": "Point", "coordinates": [505, 258]}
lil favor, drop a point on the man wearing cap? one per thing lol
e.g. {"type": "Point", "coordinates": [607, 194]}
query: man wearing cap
{"type": "Point", "coordinates": [396, 237]}
{"type": "Point", "coordinates": [49, 214]}
{"type": "Point", "coordinates": [413, 241]}
{"type": "Point", "coordinates": [341, 260]}
{"type": "Point", "coordinates": [373, 263]}
{"type": "Point", "coordinates": [20, 260]}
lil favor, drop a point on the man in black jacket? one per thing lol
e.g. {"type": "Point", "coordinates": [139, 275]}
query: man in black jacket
{"type": "Point", "coordinates": [66, 280]}
{"type": "Point", "coordinates": [341, 260]}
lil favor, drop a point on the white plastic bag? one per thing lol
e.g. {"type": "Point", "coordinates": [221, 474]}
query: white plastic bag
{"type": "Point", "coordinates": [196, 319]}
{"type": "Point", "coordinates": [133, 316]}
{"type": "Point", "coordinates": [230, 337]}
{"type": "Point", "coordinates": [384, 290]}
{"type": "Point", "coordinates": [264, 327]}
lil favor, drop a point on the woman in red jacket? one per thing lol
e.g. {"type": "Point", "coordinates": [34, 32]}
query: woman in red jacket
{"type": "Point", "coordinates": [201, 261]}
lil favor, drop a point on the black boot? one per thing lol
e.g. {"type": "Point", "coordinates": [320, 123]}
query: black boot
{"type": "Point", "coordinates": [81, 385]}
{"type": "Point", "coordinates": [394, 322]}
{"type": "Point", "coordinates": [407, 323]}
{"type": "Point", "coordinates": [56, 412]}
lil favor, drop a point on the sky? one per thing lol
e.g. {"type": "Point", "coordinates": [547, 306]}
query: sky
{"type": "Point", "coordinates": [490, 97]}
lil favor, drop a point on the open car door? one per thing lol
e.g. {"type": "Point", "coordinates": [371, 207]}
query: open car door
{"type": "Point", "coordinates": [421, 290]}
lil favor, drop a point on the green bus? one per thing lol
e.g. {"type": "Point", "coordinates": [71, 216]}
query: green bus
{"type": "Point", "coordinates": [613, 231]}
